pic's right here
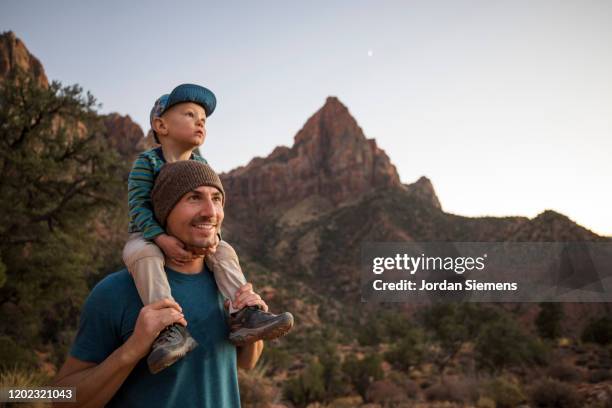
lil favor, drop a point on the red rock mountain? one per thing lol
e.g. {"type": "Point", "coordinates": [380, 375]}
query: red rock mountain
{"type": "Point", "coordinates": [330, 158]}
{"type": "Point", "coordinates": [122, 132]}
{"type": "Point", "coordinates": [14, 54]}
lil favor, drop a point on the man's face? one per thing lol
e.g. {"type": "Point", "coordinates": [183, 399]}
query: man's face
{"type": "Point", "coordinates": [183, 124]}
{"type": "Point", "coordinates": [196, 218]}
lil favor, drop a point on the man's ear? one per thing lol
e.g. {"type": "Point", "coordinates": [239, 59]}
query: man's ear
{"type": "Point", "coordinates": [160, 127]}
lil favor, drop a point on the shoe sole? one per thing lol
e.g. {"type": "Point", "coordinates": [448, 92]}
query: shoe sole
{"type": "Point", "coordinates": [272, 331]}
{"type": "Point", "coordinates": [164, 363]}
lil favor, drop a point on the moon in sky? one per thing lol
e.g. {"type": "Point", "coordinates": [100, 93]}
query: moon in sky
{"type": "Point", "coordinates": [370, 53]}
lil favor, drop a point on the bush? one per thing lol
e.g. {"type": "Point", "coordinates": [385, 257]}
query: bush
{"type": "Point", "coordinates": [13, 356]}
{"type": "Point", "coordinates": [362, 373]}
{"type": "Point", "coordinates": [597, 376]}
{"type": "Point", "coordinates": [598, 331]}
{"type": "Point", "coordinates": [410, 387]}
{"type": "Point", "coordinates": [548, 393]}
{"type": "Point", "coordinates": [503, 344]}
{"type": "Point", "coordinates": [506, 394]}
{"type": "Point", "coordinates": [564, 372]}
{"type": "Point", "coordinates": [549, 319]}
{"type": "Point", "coordinates": [407, 352]}
{"type": "Point", "coordinates": [20, 378]}
{"type": "Point", "coordinates": [386, 393]}
{"type": "Point", "coordinates": [308, 387]}
{"type": "Point", "coordinates": [453, 390]}
{"type": "Point", "coordinates": [257, 391]}
{"type": "Point", "coordinates": [277, 359]}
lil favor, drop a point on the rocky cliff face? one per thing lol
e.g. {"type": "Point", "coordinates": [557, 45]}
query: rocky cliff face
{"type": "Point", "coordinates": [14, 54]}
{"type": "Point", "coordinates": [330, 158]}
{"type": "Point", "coordinates": [122, 133]}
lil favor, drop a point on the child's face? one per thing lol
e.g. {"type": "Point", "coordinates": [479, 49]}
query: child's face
{"type": "Point", "coordinates": [183, 124]}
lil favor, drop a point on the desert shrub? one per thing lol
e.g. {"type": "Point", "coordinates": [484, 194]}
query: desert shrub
{"type": "Point", "coordinates": [503, 344]}
{"type": "Point", "coordinates": [277, 359]}
{"type": "Point", "coordinates": [257, 391]}
{"type": "Point", "coordinates": [14, 356]}
{"type": "Point", "coordinates": [408, 351]}
{"type": "Point", "coordinates": [548, 393]}
{"type": "Point", "coordinates": [505, 393]}
{"type": "Point", "coordinates": [308, 387]}
{"type": "Point", "coordinates": [410, 387]}
{"type": "Point", "coordinates": [601, 375]}
{"type": "Point", "coordinates": [22, 378]}
{"type": "Point", "coordinates": [335, 382]}
{"type": "Point", "coordinates": [453, 390]}
{"type": "Point", "coordinates": [564, 372]}
{"type": "Point", "coordinates": [549, 319]}
{"type": "Point", "coordinates": [385, 393]}
{"type": "Point", "coordinates": [598, 331]}
{"type": "Point", "coordinates": [388, 326]}
{"type": "Point", "coordinates": [361, 373]}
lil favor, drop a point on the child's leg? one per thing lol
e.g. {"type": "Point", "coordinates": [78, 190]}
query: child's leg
{"type": "Point", "coordinates": [145, 261]}
{"type": "Point", "coordinates": [226, 268]}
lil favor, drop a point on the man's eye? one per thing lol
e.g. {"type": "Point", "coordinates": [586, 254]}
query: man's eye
{"type": "Point", "coordinates": [194, 198]}
{"type": "Point", "coordinates": [190, 114]}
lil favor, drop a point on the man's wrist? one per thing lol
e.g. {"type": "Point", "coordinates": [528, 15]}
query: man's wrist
{"type": "Point", "coordinates": [128, 353]}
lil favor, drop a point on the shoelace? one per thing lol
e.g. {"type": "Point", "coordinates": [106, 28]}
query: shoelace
{"type": "Point", "coordinates": [169, 335]}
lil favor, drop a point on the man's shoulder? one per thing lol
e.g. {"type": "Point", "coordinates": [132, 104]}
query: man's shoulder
{"type": "Point", "coordinates": [113, 286]}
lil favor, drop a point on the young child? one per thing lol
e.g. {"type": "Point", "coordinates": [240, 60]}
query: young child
{"type": "Point", "coordinates": [178, 124]}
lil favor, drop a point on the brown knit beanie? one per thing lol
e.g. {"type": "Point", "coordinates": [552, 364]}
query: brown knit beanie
{"type": "Point", "coordinates": [177, 179]}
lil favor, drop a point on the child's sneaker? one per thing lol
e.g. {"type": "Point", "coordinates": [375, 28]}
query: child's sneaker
{"type": "Point", "coordinates": [250, 324]}
{"type": "Point", "coordinates": [170, 346]}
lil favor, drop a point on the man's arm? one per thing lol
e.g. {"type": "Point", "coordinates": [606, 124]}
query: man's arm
{"type": "Point", "coordinates": [247, 356]}
{"type": "Point", "coordinates": [97, 383]}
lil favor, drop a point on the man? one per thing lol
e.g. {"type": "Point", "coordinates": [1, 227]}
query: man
{"type": "Point", "coordinates": [106, 362]}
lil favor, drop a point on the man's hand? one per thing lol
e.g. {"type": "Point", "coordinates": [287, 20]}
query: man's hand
{"type": "Point", "coordinates": [246, 297]}
{"type": "Point", "coordinates": [173, 248]}
{"type": "Point", "coordinates": [151, 320]}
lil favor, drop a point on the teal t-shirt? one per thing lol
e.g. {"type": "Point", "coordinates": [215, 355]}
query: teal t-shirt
{"type": "Point", "coordinates": [205, 377]}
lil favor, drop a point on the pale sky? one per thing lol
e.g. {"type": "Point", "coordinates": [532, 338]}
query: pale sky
{"type": "Point", "coordinates": [505, 105]}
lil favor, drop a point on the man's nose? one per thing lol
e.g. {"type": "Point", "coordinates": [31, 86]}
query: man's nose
{"type": "Point", "coordinates": [208, 208]}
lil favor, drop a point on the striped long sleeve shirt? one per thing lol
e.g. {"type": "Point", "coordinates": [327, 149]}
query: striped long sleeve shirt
{"type": "Point", "coordinates": [140, 185]}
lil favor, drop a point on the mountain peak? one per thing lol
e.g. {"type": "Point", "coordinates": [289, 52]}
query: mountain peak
{"type": "Point", "coordinates": [14, 54]}
{"type": "Point", "coordinates": [331, 158]}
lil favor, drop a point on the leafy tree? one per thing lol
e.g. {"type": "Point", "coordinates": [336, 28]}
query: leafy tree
{"type": "Point", "coordinates": [332, 372]}
{"type": "Point", "coordinates": [308, 387]}
{"type": "Point", "coordinates": [598, 331]}
{"type": "Point", "coordinates": [408, 351]}
{"type": "Point", "coordinates": [57, 174]}
{"type": "Point", "coordinates": [451, 325]}
{"type": "Point", "coordinates": [364, 372]}
{"type": "Point", "coordinates": [549, 319]}
{"type": "Point", "coordinates": [503, 344]}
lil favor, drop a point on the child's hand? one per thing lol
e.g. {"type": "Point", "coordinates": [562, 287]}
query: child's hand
{"type": "Point", "coordinates": [202, 252]}
{"type": "Point", "coordinates": [173, 248]}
